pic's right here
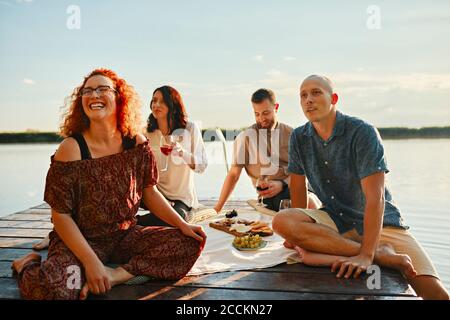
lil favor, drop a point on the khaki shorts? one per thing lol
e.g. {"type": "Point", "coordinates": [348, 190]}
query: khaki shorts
{"type": "Point", "coordinates": [402, 241]}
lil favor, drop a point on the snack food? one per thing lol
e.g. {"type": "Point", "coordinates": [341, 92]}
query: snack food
{"type": "Point", "coordinates": [249, 242]}
{"type": "Point", "coordinates": [233, 213]}
{"type": "Point", "coordinates": [241, 227]}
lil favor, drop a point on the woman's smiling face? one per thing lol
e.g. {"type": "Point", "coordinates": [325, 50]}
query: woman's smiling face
{"type": "Point", "coordinates": [99, 98]}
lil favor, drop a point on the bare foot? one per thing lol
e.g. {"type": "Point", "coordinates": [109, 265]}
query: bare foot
{"type": "Point", "coordinates": [315, 259]}
{"type": "Point", "coordinates": [18, 264]}
{"type": "Point", "coordinates": [386, 256]}
{"type": "Point", "coordinates": [116, 276]}
{"type": "Point", "coordinates": [43, 244]}
{"type": "Point", "coordinates": [288, 245]}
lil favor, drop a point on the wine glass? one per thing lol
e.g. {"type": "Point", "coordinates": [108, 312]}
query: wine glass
{"type": "Point", "coordinates": [285, 204]}
{"type": "Point", "coordinates": [262, 184]}
{"type": "Point", "coordinates": [166, 146]}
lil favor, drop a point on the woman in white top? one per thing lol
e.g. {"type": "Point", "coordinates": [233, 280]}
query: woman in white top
{"type": "Point", "coordinates": [176, 170]}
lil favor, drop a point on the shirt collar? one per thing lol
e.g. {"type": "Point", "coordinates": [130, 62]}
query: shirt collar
{"type": "Point", "coordinates": [338, 129]}
{"type": "Point", "coordinates": [340, 124]}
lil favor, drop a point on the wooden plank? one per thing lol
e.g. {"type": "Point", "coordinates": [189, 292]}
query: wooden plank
{"type": "Point", "coordinates": [5, 269]}
{"type": "Point", "coordinates": [295, 268]}
{"type": "Point", "coordinates": [287, 282]}
{"type": "Point", "coordinates": [153, 292]}
{"type": "Point", "coordinates": [43, 205]}
{"type": "Point", "coordinates": [23, 243]}
{"type": "Point", "coordinates": [23, 233]}
{"type": "Point", "coordinates": [299, 282]}
{"type": "Point", "coordinates": [9, 289]}
{"type": "Point", "coordinates": [26, 217]}
{"type": "Point", "coordinates": [34, 211]}
{"type": "Point", "coordinates": [19, 231]}
{"type": "Point", "coordinates": [301, 268]}
{"type": "Point", "coordinates": [11, 254]}
{"type": "Point", "coordinates": [37, 211]}
{"type": "Point", "coordinates": [26, 224]}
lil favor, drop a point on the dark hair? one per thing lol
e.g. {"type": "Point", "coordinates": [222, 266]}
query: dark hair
{"type": "Point", "coordinates": [176, 117]}
{"type": "Point", "coordinates": [262, 94]}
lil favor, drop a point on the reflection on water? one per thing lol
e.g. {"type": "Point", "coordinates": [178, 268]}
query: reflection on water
{"type": "Point", "coordinates": [419, 180]}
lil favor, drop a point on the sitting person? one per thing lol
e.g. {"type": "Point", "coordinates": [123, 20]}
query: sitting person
{"type": "Point", "coordinates": [176, 183]}
{"type": "Point", "coordinates": [343, 159]}
{"type": "Point", "coordinates": [251, 148]}
{"type": "Point", "coordinates": [168, 120]}
{"type": "Point", "coordinates": [96, 181]}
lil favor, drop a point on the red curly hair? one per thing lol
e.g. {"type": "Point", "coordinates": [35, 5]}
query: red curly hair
{"type": "Point", "coordinates": [127, 102]}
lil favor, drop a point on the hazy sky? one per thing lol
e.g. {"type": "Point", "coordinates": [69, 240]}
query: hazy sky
{"type": "Point", "coordinates": [217, 53]}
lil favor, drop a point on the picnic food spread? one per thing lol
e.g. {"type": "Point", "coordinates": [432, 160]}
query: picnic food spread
{"type": "Point", "coordinates": [242, 227]}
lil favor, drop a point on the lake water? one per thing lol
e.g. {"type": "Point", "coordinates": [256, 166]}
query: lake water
{"type": "Point", "coordinates": [419, 180]}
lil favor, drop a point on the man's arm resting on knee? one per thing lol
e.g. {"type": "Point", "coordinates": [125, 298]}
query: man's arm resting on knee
{"type": "Point", "coordinates": [373, 189]}
{"type": "Point", "coordinates": [228, 186]}
{"type": "Point", "coordinates": [298, 191]}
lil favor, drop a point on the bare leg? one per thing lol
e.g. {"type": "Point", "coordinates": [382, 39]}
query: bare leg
{"type": "Point", "coordinates": [429, 288]}
{"type": "Point", "coordinates": [302, 218]}
{"type": "Point", "coordinates": [386, 256]}
{"type": "Point", "coordinates": [300, 230]}
{"type": "Point", "coordinates": [313, 203]}
{"type": "Point", "coordinates": [43, 244]}
{"type": "Point", "coordinates": [316, 259]}
{"type": "Point", "coordinates": [116, 276]}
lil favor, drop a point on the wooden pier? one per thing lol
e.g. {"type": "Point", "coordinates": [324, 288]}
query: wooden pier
{"type": "Point", "coordinates": [19, 231]}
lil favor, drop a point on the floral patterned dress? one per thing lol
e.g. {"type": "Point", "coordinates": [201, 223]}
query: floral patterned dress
{"type": "Point", "coordinates": [103, 195]}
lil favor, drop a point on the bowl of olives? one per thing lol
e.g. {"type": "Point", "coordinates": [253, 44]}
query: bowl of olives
{"type": "Point", "coordinates": [249, 242]}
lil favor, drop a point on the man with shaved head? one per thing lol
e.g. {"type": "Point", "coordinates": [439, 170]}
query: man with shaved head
{"type": "Point", "coordinates": [342, 158]}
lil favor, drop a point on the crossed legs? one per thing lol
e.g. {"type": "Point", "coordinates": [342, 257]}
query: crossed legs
{"type": "Point", "coordinates": [320, 245]}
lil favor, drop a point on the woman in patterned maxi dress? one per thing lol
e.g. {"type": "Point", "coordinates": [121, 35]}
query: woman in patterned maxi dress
{"type": "Point", "coordinates": [94, 202]}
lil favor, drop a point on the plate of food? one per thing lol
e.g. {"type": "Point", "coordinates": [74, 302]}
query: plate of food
{"type": "Point", "coordinates": [241, 227]}
{"type": "Point", "coordinates": [249, 243]}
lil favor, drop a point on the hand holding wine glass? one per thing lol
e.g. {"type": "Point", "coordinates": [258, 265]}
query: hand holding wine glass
{"type": "Point", "coordinates": [262, 184]}
{"type": "Point", "coordinates": [285, 204]}
{"type": "Point", "coordinates": [166, 146]}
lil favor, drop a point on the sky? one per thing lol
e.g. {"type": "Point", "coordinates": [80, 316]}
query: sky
{"type": "Point", "coordinates": [389, 60]}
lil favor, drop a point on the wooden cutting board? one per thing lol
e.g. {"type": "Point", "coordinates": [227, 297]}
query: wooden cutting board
{"type": "Point", "coordinates": [225, 225]}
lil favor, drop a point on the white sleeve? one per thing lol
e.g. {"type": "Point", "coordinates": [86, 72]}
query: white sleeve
{"type": "Point", "coordinates": [197, 150]}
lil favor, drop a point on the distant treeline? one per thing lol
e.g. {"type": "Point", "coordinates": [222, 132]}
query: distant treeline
{"type": "Point", "coordinates": [386, 133]}
{"type": "Point", "coordinates": [409, 133]}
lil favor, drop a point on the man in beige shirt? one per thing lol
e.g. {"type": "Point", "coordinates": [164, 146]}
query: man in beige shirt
{"type": "Point", "coordinates": [262, 149]}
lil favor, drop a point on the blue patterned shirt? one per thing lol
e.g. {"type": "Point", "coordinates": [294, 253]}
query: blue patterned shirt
{"type": "Point", "coordinates": [334, 169]}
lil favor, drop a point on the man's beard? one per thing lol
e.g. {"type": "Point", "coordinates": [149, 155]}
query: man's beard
{"type": "Point", "coordinates": [269, 126]}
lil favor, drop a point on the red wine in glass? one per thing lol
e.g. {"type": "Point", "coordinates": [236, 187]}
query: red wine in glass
{"type": "Point", "coordinates": [166, 150]}
{"type": "Point", "coordinates": [166, 146]}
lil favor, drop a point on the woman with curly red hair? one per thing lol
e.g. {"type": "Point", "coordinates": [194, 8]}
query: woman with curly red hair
{"type": "Point", "coordinates": [188, 156]}
{"type": "Point", "coordinates": [96, 181]}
